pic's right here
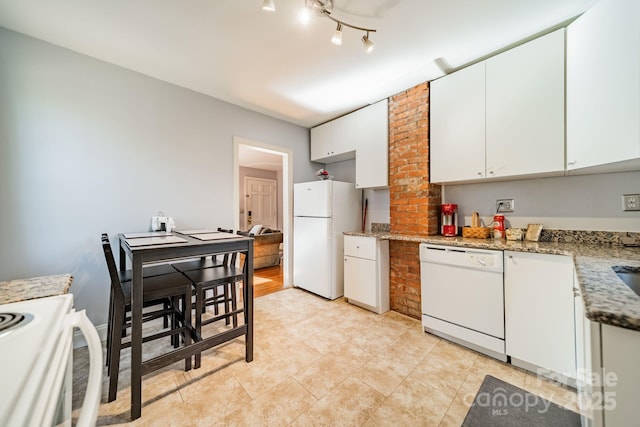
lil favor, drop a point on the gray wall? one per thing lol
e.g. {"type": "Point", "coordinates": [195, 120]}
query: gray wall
{"type": "Point", "coordinates": [87, 147]}
{"type": "Point", "coordinates": [581, 202]}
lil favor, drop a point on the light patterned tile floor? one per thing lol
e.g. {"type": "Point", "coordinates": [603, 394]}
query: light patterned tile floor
{"type": "Point", "coordinates": [317, 363]}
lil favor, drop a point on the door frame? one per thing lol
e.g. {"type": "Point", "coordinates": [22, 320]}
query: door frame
{"type": "Point", "coordinates": [244, 204]}
{"type": "Point", "coordinates": [287, 196]}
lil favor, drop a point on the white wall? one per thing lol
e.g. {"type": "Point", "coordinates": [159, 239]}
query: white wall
{"type": "Point", "coordinates": [87, 147]}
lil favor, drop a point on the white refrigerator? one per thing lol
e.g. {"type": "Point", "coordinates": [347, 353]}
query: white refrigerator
{"type": "Point", "coordinates": [322, 211]}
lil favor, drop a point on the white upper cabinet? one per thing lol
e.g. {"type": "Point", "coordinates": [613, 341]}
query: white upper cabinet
{"type": "Point", "coordinates": [372, 151]}
{"type": "Point", "coordinates": [333, 141]}
{"type": "Point", "coordinates": [457, 125]}
{"type": "Point", "coordinates": [321, 141]}
{"type": "Point", "coordinates": [501, 118]}
{"type": "Point", "coordinates": [525, 109]}
{"type": "Point", "coordinates": [603, 88]}
{"type": "Point", "coordinates": [363, 134]}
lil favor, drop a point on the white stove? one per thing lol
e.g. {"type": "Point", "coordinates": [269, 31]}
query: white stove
{"type": "Point", "coordinates": [36, 363]}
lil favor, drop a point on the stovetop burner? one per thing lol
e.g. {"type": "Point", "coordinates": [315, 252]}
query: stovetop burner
{"type": "Point", "coordinates": [10, 321]}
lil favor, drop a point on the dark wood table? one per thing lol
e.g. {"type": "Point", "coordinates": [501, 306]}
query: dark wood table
{"type": "Point", "coordinates": [192, 248]}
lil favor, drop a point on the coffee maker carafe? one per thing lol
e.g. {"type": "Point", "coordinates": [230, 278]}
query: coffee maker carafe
{"type": "Point", "coordinates": [449, 219]}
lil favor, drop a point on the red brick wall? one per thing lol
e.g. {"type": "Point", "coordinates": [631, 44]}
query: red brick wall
{"type": "Point", "coordinates": [414, 202]}
{"type": "Point", "coordinates": [404, 278]}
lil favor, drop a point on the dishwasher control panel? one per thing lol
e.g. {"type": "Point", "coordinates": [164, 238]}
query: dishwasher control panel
{"type": "Point", "coordinates": [483, 259]}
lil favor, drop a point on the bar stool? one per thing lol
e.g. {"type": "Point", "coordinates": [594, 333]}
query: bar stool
{"type": "Point", "coordinates": [171, 291]}
{"type": "Point", "coordinates": [225, 277]}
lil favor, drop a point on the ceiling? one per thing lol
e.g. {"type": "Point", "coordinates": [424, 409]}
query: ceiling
{"type": "Point", "coordinates": [259, 158]}
{"type": "Point", "coordinates": [269, 62]}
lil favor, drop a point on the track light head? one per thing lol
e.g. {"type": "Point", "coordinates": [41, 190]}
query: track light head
{"type": "Point", "coordinates": [325, 8]}
{"type": "Point", "coordinates": [367, 43]}
{"type": "Point", "coordinates": [268, 5]}
{"type": "Point", "coordinates": [337, 35]}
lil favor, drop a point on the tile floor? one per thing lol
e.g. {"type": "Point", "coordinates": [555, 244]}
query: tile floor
{"type": "Point", "coordinates": [319, 363]}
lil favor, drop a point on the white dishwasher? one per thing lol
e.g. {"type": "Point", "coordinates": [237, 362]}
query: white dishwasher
{"type": "Point", "coordinates": [463, 296]}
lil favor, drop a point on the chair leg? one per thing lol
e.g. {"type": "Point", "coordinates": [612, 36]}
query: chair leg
{"type": "Point", "coordinates": [165, 320]}
{"type": "Point", "coordinates": [175, 338]}
{"type": "Point", "coordinates": [234, 303]}
{"type": "Point", "coordinates": [109, 332]}
{"type": "Point", "coordinates": [186, 322]}
{"type": "Point", "coordinates": [226, 302]}
{"type": "Point", "coordinates": [216, 309]}
{"type": "Point", "coordinates": [200, 294]}
{"type": "Point", "coordinates": [114, 357]}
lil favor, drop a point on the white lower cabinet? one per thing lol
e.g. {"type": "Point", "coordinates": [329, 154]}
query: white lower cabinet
{"type": "Point", "coordinates": [539, 313]}
{"type": "Point", "coordinates": [366, 272]}
{"type": "Point", "coordinates": [620, 376]}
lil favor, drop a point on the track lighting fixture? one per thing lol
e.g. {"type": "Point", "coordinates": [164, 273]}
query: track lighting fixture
{"type": "Point", "coordinates": [367, 43]}
{"type": "Point", "coordinates": [268, 5]}
{"type": "Point", "coordinates": [337, 35]}
{"type": "Point", "coordinates": [325, 8]}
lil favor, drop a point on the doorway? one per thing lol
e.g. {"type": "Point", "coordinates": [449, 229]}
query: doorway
{"type": "Point", "coordinates": [260, 156]}
{"type": "Point", "coordinates": [260, 202]}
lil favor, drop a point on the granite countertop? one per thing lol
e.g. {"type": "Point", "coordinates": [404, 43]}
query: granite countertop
{"type": "Point", "coordinates": [606, 297]}
{"type": "Point", "coordinates": [35, 287]}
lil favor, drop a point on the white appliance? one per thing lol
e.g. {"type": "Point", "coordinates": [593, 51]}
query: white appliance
{"type": "Point", "coordinates": [463, 296]}
{"type": "Point", "coordinates": [323, 210]}
{"type": "Point", "coordinates": [36, 363]}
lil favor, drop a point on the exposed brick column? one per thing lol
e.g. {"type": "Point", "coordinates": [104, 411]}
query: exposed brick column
{"type": "Point", "coordinates": [414, 202]}
{"type": "Point", "coordinates": [404, 278]}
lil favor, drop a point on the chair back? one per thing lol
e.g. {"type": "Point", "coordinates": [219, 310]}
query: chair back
{"type": "Point", "coordinates": [116, 286]}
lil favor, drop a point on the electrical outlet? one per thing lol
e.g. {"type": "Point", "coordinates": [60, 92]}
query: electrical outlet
{"type": "Point", "coordinates": [631, 202]}
{"type": "Point", "coordinates": [505, 205]}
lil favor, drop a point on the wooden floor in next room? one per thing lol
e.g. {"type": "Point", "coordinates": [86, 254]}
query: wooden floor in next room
{"type": "Point", "coordinates": [267, 280]}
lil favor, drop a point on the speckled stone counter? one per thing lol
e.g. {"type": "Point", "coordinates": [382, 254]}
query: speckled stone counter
{"type": "Point", "coordinates": [35, 287]}
{"type": "Point", "coordinates": [606, 297]}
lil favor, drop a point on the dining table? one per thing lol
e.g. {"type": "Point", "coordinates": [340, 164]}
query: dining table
{"type": "Point", "coordinates": [162, 247]}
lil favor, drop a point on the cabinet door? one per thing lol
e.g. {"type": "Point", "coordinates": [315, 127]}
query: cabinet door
{"type": "Point", "coordinates": [621, 385]}
{"type": "Point", "coordinates": [321, 141]}
{"type": "Point", "coordinates": [360, 280]}
{"type": "Point", "coordinates": [372, 155]}
{"type": "Point", "coordinates": [345, 132]}
{"type": "Point", "coordinates": [525, 109]}
{"type": "Point", "coordinates": [539, 316]}
{"type": "Point", "coordinates": [603, 86]}
{"type": "Point", "coordinates": [457, 120]}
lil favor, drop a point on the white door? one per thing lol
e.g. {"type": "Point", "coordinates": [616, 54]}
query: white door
{"type": "Point", "coordinates": [312, 255]}
{"type": "Point", "coordinates": [261, 202]}
{"type": "Point", "coordinates": [312, 199]}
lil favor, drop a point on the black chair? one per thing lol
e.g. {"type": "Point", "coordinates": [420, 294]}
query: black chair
{"type": "Point", "coordinates": [125, 276]}
{"type": "Point", "coordinates": [222, 278]}
{"type": "Point", "coordinates": [173, 292]}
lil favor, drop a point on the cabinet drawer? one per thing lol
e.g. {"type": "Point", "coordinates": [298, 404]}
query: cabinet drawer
{"type": "Point", "coordinates": [361, 247]}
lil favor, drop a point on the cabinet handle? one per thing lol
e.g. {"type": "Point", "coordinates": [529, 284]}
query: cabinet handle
{"type": "Point", "coordinates": [491, 172]}
{"type": "Point", "coordinates": [571, 163]}
{"type": "Point", "coordinates": [479, 173]}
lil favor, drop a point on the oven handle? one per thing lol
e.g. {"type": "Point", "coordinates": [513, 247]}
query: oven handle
{"type": "Point", "coordinates": [91, 401]}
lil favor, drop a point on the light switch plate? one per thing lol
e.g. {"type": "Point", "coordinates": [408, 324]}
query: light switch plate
{"type": "Point", "coordinates": [631, 202]}
{"type": "Point", "coordinates": [505, 205]}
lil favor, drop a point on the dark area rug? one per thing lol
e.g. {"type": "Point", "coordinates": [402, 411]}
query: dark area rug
{"type": "Point", "coordinates": [501, 404]}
